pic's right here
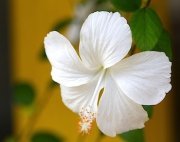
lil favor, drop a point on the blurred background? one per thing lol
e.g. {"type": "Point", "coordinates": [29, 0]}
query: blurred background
{"type": "Point", "coordinates": [24, 69]}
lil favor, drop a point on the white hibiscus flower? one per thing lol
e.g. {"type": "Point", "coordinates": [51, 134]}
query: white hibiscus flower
{"type": "Point", "coordinates": [141, 79]}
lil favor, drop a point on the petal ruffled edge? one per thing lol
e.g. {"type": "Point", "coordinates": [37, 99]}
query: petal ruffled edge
{"type": "Point", "coordinates": [67, 68]}
{"type": "Point", "coordinates": [117, 113]}
{"type": "Point", "coordinates": [144, 77]}
{"type": "Point", "coordinates": [105, 38]}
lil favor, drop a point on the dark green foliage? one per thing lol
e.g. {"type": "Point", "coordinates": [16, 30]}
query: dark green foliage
{"type": "Point", "coordinates": [149, 110]}
{"type": "Point", "coordinates": [23, 94]}
{"type": "Point", "coordinates": [101, 1]}
{"type": "Point", "coordinates": [164, 44]}
{"type": "Point", "coordinates": [133, 136]}
{"type": "Point", "coordinates": [45, 137]}
{"type": "Point", "coordinates": [146, 28]}
{"type": "Point", "coordinates": [61, 24]}
{"type": "Point", "coordinates": [127, 5]}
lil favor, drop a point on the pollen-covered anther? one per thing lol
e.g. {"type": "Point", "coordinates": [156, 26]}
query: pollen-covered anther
{"type": "Point", "coordinates": [86, 118]}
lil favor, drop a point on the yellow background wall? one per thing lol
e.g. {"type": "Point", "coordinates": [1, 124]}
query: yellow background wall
{"type": "Point", "coordinates": [31, 20]}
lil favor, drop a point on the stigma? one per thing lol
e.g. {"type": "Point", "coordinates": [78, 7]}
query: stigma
{"type": "Point", "coordinates": [87, 115]}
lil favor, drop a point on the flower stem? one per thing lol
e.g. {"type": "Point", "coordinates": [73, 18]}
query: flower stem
{"type": "Point", "coordinates": [27, 129]}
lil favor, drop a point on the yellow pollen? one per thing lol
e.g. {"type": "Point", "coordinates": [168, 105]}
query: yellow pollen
{"type": "Point", "coordinates": [85, 127]}
{"type": "Point", "coordinates": [86, 118]}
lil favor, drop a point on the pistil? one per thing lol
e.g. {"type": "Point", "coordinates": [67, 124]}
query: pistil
{"type": "Point", "coordinates": [88, 113]}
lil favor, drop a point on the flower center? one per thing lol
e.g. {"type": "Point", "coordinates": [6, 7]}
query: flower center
{"type": "Point", "coordinates": [88, 113]}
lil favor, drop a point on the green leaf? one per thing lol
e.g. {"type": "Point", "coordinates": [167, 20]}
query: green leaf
{"type": "Point", "coordinates": [127, 5]}
{"type": "Point", "coordinates": [133, 136]}
{"type": "Point", "coordinates": [149, 110]}
{"type": "Point", "coordinates": [45, 137]}
{"type": "Point", "coordinates": [23, 94]}
{"type": "Point", "coordinates": [164, 44]}
{"type": "Point", "coordinates": [146, 28]}
{"type": "Point", "coordinates": [57, 27]}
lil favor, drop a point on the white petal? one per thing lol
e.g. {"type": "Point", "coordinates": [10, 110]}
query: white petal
{"type": "Point", "coordinates": [81, 96]}
{"type": "Point", "coordinates": [105, 38]}
{"type": "Point", "coordinates": [144, 77]}
{"type": "Point", "coordinates": [67, 68]}
{"type": "Point", "coordinates": [117, 113]}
